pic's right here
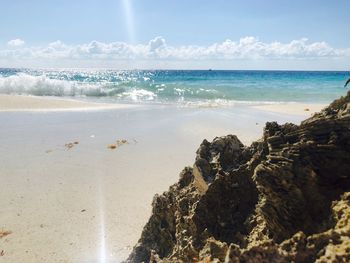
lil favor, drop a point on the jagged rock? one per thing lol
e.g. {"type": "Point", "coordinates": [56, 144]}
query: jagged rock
{"type": "Point", "coordinates": [286, 198]}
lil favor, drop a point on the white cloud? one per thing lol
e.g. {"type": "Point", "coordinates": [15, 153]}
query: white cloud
{"type": "Point", "coordinates": [249, 49]}
{"type": "Point", "coordinates": [156, 44]}
{"type": "Point", "coordinates": [16, 42]}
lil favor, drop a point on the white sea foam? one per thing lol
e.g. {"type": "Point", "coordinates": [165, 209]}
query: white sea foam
{"type": "Point", "coordinates": [137, 95]}
{"type": "Point", "coordinates": [44, 86]}
{"type": "Point", "coordinates": [34, 85]}
{"type": "Point", "coordinates": [179, 92]}
{"type": "Point", "coordinates": [218, 103]}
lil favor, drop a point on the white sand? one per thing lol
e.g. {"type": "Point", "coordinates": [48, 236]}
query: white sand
{"type": "Point", "coordinates": [302, 109]}
{"type": "Point", "coordinates": [89, 203]}
{"type": "Point", "coordinates": [35, 103]}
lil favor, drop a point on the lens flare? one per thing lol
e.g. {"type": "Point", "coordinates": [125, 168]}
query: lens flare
{"type": "Point", "coordinates": [102, 252]}
{"type": "Point", "coordinates": [129, 19]}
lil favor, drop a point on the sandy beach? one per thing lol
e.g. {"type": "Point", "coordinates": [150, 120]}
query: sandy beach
{"type": "Point", "coordinates": [302, 109]}
{"type": "Point", "coordinates": [66, 196]}
{"type": "Point", "coordinates": [174, 131]}
{"type": "Point", "coordinates": [36, 103]}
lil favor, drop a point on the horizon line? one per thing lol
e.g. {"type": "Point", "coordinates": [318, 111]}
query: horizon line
{"type": "Point", "coordinates": [170, 69]}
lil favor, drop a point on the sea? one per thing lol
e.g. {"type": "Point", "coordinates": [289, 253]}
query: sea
{"type": "Point", "coordinates": [179, 87]}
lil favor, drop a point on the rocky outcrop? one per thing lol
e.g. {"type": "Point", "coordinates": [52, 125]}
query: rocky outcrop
{"type": "Point", "coordinates": [285, 198]}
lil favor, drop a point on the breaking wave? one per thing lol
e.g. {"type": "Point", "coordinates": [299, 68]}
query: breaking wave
{"type": "Point", "coordinates": [44, 86]}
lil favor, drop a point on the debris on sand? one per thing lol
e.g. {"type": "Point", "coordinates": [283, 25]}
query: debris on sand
{"type": "Point", "coordinates": [118, 143]}
{"type": "Point", "coordinates": [122, 142]}
{"type": "Point", "coordinates": [70, 145]}
{"type": "Point", "coordinates": [112, 146]}
{"type": "Point", "coordinates": [4, 233]}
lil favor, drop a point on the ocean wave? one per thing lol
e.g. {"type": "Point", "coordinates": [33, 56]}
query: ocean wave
{"type": "Point", "coordinates": [44, 86]}
{"type": "Point", "coordinates": [35, 85]}
{"type": "Point", "coordinates": [183, 88]}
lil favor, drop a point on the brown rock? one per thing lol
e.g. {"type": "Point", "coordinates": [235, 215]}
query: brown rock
{"type": "Point", "coordinates": [286, 198]}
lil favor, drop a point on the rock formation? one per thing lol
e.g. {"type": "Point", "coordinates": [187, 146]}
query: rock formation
{"type": "Point", "coordinates": [285, 198]}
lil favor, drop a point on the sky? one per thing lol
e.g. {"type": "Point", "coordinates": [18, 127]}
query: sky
{"type": "Point", "coordinates": [171, 34]}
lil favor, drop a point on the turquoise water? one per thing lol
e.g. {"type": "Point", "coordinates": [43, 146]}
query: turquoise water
{"type": "Point", "coordinates": [178, 86]}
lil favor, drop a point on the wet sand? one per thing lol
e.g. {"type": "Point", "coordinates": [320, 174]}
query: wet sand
{"type": "Point", "coordinates": [35, 103]}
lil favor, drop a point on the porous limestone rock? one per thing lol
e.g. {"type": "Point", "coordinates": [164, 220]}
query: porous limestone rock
{"type": "Point", "coordinates": [286, 198]}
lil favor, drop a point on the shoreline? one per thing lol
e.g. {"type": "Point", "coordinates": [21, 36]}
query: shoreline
{"type": "Point", "coordinates": [25, 103]}
{"type": "Point", "coordinates": [293, 108]}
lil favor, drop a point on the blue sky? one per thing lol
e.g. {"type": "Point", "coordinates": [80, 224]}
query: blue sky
{"type": "Point", "coordinates": [37, 23]}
